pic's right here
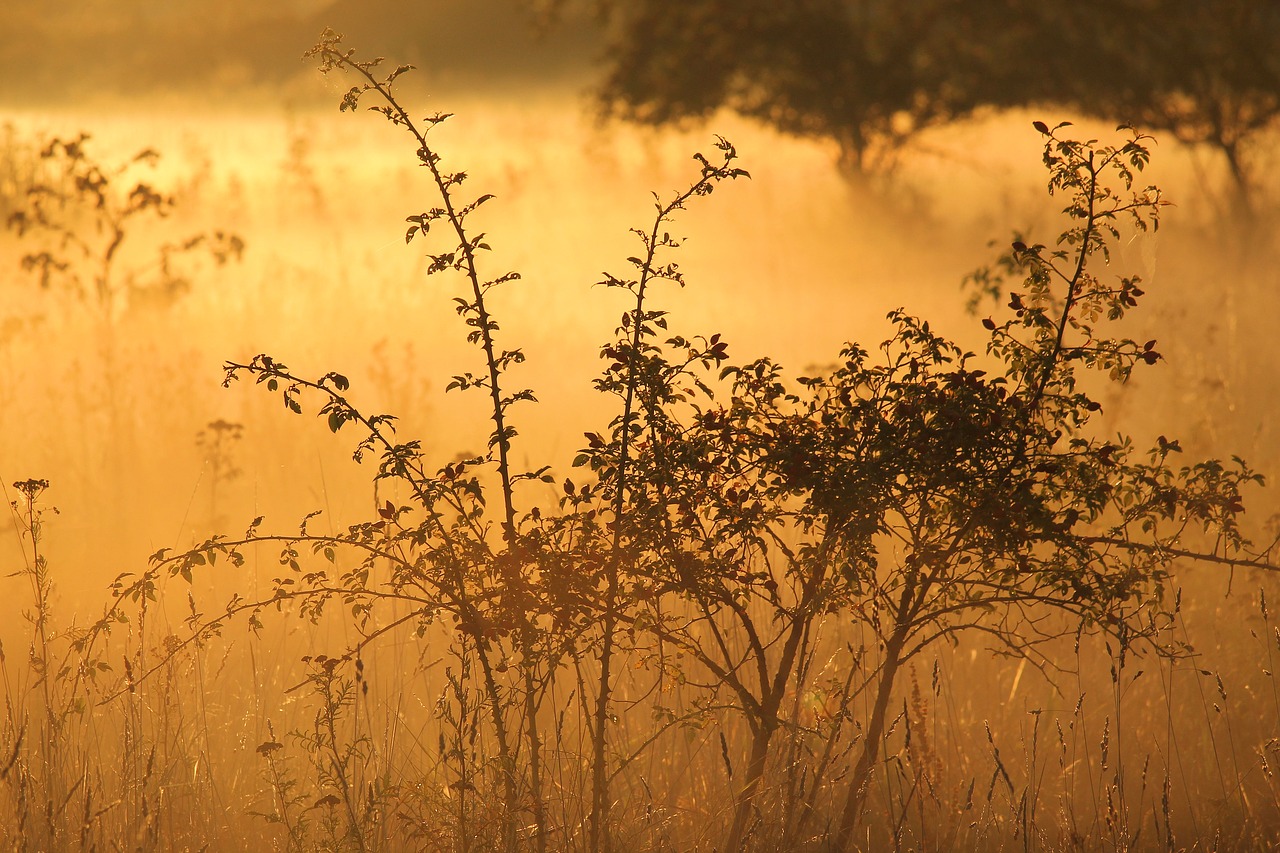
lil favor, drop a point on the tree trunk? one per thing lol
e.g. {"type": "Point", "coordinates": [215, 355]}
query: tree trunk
{"type": "Point", "coordinates": [746, 794]}
{"type": "Point", "coordinates": [1242, 184]}
{"type": "Point", "coordinates": [870, 742]}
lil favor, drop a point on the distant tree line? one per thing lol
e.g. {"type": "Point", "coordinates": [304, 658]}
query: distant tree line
{"type": "Point", "coordinates": [872, 75]}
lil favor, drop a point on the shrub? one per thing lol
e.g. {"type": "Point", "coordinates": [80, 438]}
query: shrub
{"type": "Point", "coordinates": [723, 524]}
{"type": "Point", "coordinates": [83, 216]}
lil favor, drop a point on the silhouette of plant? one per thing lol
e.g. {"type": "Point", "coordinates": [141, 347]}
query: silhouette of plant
{"type": "Point", "coordinates": [83, 215]}
{"type": "Point", "coordinates": [728, 517]}
{"type": "Point", "coordinates": [42, 746]}
{"type": "Point", "coordinates": [218, 440]}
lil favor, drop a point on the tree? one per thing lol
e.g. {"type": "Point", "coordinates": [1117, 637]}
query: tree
{"type": "Point", "coordinates": [1207, 73]}
{"type": "Point", "coordinates": [871, 75]}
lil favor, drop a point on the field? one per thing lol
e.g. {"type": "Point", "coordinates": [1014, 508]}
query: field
{"type": "Point", "coordinates": [282, 737]}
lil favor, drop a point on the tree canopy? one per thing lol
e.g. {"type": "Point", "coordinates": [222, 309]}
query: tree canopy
{"type": "Point", "coordinates": [872, 74]}
{"type": "Point", "coordinates": [1207, 73]}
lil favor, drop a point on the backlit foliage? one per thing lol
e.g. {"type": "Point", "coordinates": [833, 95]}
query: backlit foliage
{"type": "Point", "coordinates": [735, 551]}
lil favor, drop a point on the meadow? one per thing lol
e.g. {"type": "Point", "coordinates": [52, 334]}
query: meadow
{"type": "Point", "coordinates": [278, 736]}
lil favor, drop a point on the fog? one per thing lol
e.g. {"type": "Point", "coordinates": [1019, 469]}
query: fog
{"type": "Point", "coordinates": [791, 264]}
{"type": "Point", "coordinates": [115, 406]}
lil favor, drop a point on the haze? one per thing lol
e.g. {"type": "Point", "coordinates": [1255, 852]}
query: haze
{"type": "Point", "coordinates": [115, 407]}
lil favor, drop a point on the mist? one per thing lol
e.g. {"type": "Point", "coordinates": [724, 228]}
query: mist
{"type": "Point", "coordinates": [118, 401]}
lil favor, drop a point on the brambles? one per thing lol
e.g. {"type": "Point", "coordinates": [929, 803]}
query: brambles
{"type": "Point", "coordinates": [83, 216]}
